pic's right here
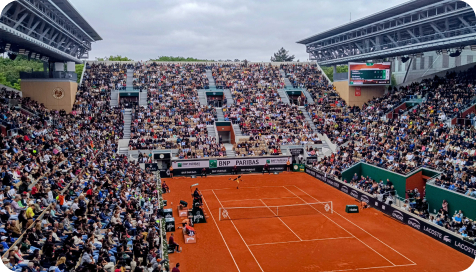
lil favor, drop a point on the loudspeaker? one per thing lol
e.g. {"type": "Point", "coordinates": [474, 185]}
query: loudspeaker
{"type": "Point", "coordinates": [183, 203]}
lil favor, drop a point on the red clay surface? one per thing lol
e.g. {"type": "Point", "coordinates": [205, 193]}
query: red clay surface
{"type": "Point", "coordinates": [319, 241]}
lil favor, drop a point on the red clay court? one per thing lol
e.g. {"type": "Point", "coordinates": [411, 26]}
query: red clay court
{"type": "Point", "coordinates": [303, 237]}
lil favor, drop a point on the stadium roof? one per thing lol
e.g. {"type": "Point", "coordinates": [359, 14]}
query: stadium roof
{"type": "Point", "coordinates": [68, 8]}
{"type": "Point", "coordinates": [402, 8]}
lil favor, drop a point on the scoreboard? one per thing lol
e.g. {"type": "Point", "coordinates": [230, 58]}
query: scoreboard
{"type": "Point", "coordinates": [370, 73]}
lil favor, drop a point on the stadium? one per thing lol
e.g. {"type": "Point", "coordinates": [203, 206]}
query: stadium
{"type": "Point", "coordinates": [362, 158]}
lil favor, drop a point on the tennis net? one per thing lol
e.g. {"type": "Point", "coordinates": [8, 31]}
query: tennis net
{"type": "Point", "coordinates": [236, 213]}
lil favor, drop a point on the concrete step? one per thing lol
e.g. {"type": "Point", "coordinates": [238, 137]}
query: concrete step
{"type": "Point", "coordinates": [284, 96]}
{"type": "Point", "coordinates": [237, 130]}
{"type": "Point", "coordinates": [220, 116]}
{"type": "Point", "coordinates": [308, 96]}
{"type": "Point", "coordinates": [308, 118]}
{"type": "Point", "coordinates": [228, 96]}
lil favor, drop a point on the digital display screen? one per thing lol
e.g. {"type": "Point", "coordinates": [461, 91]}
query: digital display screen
{"type": "Point", "coordinates": [370, 73]}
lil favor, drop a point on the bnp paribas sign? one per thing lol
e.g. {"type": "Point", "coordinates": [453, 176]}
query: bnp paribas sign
{"type": "Point", "coordinates": [213, 163]}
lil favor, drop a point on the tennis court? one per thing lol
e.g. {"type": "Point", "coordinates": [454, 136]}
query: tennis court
{"type": "Point", "coordinates": [292, 222]}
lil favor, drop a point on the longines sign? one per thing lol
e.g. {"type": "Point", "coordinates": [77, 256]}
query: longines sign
{"type": "Point", "coordinates": [421, 225]}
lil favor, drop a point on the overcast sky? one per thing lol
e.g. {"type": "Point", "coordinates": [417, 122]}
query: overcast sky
{"type": "Point", "coordinates": [215, 29]}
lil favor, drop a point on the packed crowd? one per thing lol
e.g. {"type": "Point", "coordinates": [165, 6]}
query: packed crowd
{"type": "Point", "coordinates": [420, 137]}
{"type": "Point", "coordinates": [173, 114]}
{"type": "Point", "coordinates": [67, 194]}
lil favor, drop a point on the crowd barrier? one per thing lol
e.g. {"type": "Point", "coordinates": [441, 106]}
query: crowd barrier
{"type": "Point", "coordinates": [442, 235]}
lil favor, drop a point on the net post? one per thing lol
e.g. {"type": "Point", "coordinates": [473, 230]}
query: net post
{"type": "Point", "coordinates": [277, 211]}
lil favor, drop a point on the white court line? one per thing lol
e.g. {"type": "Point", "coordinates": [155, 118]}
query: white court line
{"type": "Point", "coordinates": [281, 220]}
{"type": "Point", "coordinates": [375, 267]}
{"type": "Point", "coordinates": [221, 233]}
{"type": "Point", "coordinates": [323, 239]}
{"type": "Point", "coordinates": [234, 188]}
{"type": "Point", "coordinates": [257, 199]}
{"type": "Point", "coordinates": [240, 235]}
{"type": "Point", "coordinates": [341, 227]}
{"type": "Point", "coordinates": [359, 227]}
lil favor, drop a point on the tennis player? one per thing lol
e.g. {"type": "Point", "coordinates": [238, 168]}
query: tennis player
{"type": "Point", "coordinates": [238, 179]}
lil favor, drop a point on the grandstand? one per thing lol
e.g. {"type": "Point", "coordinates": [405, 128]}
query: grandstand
{"type": "Point", "coordinates": [85, 184]}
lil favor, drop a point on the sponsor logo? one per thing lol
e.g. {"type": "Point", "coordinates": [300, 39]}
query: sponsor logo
{"type": "Point", "coordinates": [433, 232]}
{"type": "Point", "coordinates": [170, 227]}
{"type": "Point", "coordinates": [247, 162]}
{"type": "Point", "coordinates": [365, 199]}
{"type": "Point", "coordinates": [383, 207]}
{"type": "Point", "coordinates": [197, 216]}
{"type": "Point", "coordinates": [465, 248]}
{"type": "Point", "coordinates": [447, 239]}
{"type": "Point", "coordinates": [353, 210]}
{"type": "Point", "coordinates": [168, 215]}
{"type": "Point", "coordinates": [345, 189]}
{"type": "Point", "coordinates": [213, 163]}
{"type": "Point", "coordinates": [296, 167]}
{"type": "Point", "coordinates": [179, 164]}
{"type": "Point", "coordinates": [189, 239]}
{"type": "Point", "coordinates": [414, 223]}
{"type": "Point", "coordinates": [354, 194]}
{"type": "Point", "coordinates": [58, 93]}
{"type": "Point", "coordinates": [397, 215]}
{"type": "Point", "coordinates": [268, 161]}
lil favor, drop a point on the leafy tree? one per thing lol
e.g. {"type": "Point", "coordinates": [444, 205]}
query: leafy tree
{"type": "Point", "coordinates": [115, 58]}
{"type": "Point", "coordinates": [329, 71]}
{"type": "Point", "coordinates": [79, 70]}
{"type": "Point", "coordinates": [394, 81]}
{"type": "Point", "coordinates": [170, 58]}
{"type": "Point", "coordinates": [10, 69]}
{"type": "Point", "coordinates": [282, 56]}
{"type": "Point", "coordinates": [237, 60]}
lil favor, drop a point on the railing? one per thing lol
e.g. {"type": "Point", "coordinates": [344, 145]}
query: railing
{"type": "Point", "coordinates": [163, 246]}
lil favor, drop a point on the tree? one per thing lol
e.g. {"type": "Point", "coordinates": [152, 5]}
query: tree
{"type": "Point", "coordinates": [237, 60]}
{"type": "Point", "coordinates": [10, 69]}
{"type": "Point", "coordinates": [115, 58]}
{"type": "Point", "coordinates": [329, 71]}
{"type": "Point", "coordinates": [79, 70]}
{"type": "Point", "coordinates": [282, 56]}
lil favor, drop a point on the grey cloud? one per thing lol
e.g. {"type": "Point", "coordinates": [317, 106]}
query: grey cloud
{"type": "Point", "coordinates": [212, 29]}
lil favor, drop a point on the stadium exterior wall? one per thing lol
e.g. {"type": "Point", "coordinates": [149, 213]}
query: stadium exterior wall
{"type": "Point", "coordinates": [424, 226]}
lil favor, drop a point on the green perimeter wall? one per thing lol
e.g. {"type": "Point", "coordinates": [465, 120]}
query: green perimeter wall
{"type": "Point", "coordinates": [377, 174]}
{"type": "Point", "coordinates": [435, 196]}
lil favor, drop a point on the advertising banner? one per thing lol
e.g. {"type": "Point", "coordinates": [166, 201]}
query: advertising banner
{"type": "Point", "coordinates": [226, 166]}
{"type": "Point", "coordinates": [415, 222]}
{"type": "Point", "coordinates": [151, 167]}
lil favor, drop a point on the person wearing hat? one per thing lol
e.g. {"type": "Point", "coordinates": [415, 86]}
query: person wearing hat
{"type": "Point", "coordinates": [4, 243]}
